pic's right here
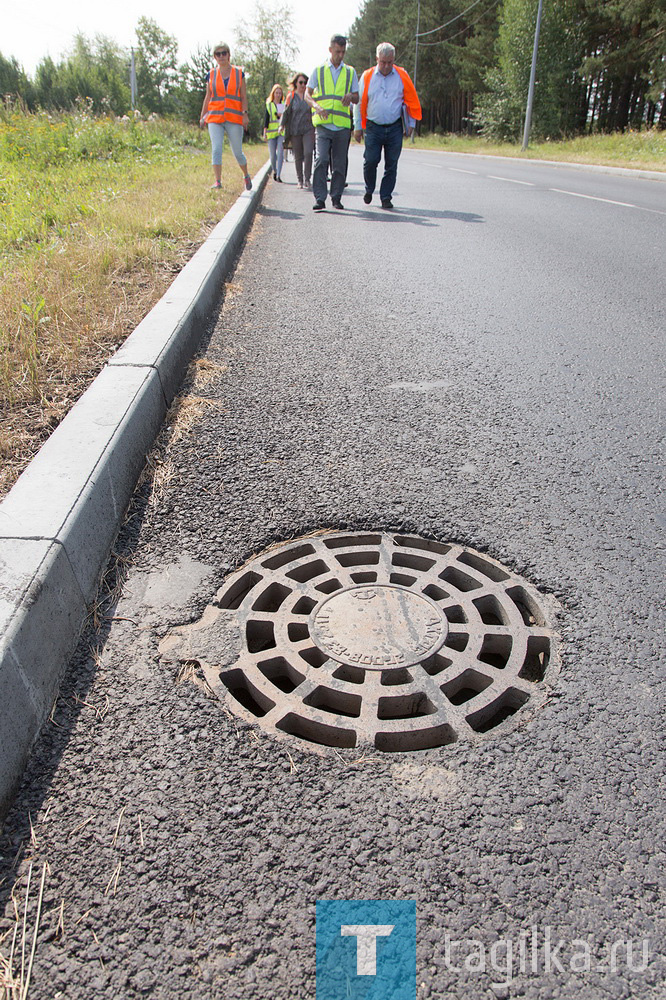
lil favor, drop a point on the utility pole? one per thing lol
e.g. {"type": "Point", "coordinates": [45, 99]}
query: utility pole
{"type": "Point", "coordinates": [530, 93]}
{"type": "Point", "coordinates": [133, 81]}
{"type": "Point", "coordinates": [416, 53]}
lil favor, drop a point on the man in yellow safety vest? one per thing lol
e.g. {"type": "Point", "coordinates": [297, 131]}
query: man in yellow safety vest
{"type": "Point", "coordinates": [330, 91]}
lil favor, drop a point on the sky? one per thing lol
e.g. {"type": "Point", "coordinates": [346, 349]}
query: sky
{"type": "Point", "coordinates": [33, 30]}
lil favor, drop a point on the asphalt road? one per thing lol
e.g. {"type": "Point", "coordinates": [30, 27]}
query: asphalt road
{"type": "Point", "coordinates": [482, 365]}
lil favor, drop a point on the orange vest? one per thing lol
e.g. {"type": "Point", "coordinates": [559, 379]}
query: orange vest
{"type": "Point", "coordinates": [410, 97]}
{"type": "Point", "coordinates": [225, 104]}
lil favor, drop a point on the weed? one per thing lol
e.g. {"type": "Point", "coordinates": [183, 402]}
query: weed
{"type": "Point", "coordinates": [96, 217]}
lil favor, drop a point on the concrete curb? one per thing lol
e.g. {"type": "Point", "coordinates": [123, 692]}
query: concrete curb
{"type": "Point", "coordinates": [600, 168]}
{"type": "Point", "coordinates": [59, 521]}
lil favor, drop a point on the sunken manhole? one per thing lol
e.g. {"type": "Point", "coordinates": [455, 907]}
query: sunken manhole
{"type": "Point", "coordinates": [397, 641]}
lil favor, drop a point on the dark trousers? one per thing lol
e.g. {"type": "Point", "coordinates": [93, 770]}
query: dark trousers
{"type": "Point", "coordinates": [378, 138]}
{"type": "Point", "coordinates": [332, 144]}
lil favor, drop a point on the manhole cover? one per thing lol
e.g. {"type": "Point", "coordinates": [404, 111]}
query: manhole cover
{"type": "Point", "coordinates": [348, 639]}
{"type": "Point", "coordinates": [378, 627]}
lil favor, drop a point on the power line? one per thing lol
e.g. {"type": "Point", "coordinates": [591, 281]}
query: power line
{"type": "Point", "coordinates": [420, 34]}
{"type": "Point", "coordinates": [444, 41]}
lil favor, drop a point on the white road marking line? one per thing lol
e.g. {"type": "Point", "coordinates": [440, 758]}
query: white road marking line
{"type": "Point", "coordinates": [609, 201]}
{"type": "Point", "coordinates": [575, 194]}
{"type": "Point", "coordinates": [655, 211]}
{"type": "Point", "coordinates": [494, 177]}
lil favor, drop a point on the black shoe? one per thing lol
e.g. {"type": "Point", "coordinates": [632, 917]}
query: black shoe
{"type": "Point", "coordinates": [319, 206]}
{"type": "Point", "coordinates": [338, 204]}
{"type": "Point", "coordinates": [279, 180]}
{"type": "Point", "coordinates": [387, 203]}
{"type": "Point", "coordinates": [367, 197]}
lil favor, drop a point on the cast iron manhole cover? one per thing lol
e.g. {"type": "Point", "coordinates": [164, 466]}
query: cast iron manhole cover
{"type": "Point", "coordinates": [378, 627]}
{"type": "Point", "coordinates": [398, 641]}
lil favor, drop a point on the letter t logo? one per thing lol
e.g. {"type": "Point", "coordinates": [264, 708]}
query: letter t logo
{"type": "Point", "coordinates": [384, 950]}
{"type": "Point", "coordinates": [366, 944]}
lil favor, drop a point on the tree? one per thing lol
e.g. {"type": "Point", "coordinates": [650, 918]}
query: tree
{"type": "Point", "coordinates": [14, 83]}
{"type": "Point", "coordinates": [454, 51]}
{"type": "Point", "coordinates": [559, 86]}
{"type": "Point", "coordinates": [624, 62]}
{"type": "Point", "coordinates": [188, 96]}
{"type": "Point", "coordinates": [157, 70]}
{"type": "Point", "coordinates": [96, 71]}
{"type": "Point", "coordinates": [266, 50]}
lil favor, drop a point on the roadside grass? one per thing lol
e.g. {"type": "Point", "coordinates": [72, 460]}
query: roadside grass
{"type": "Point", "coordinates": [96, 218]}
{"type": "Point", "coordinates": [638, 150]}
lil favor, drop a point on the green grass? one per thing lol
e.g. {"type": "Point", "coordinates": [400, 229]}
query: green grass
{"type": "Point", "coordinates": [58, 169]}
{"type": "Point", "coordinates": [639, 150]}
{"type": "Point", "coordinates": [96, 217]}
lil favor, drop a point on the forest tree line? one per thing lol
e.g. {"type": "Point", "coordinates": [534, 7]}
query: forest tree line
{"type": "Point", "coordinates": [601, 65]}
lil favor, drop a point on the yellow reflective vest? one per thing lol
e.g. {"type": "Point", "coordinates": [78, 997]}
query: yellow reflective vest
{"type": "Point", "coordinates": [329, 96]}
{"type": "Point", "coordinates": [273, 126]}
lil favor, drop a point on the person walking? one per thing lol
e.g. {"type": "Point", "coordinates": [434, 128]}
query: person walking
{"type": "Point", "coordinates": [299, 130]}
{"type": "Point", "coordinates": [272, 119]}
{"type": "Point", "coordinates": [388, 101]}
{"type": "Point", "coordinates": [224, 110]}
{"type": "Point", "coordinates": [331, 89]}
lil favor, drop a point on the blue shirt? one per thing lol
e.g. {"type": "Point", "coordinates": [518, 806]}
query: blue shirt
{"type": "Point", "coordinates": [385, 100]}
{"type": "Point", "coordinates": [312, 83]}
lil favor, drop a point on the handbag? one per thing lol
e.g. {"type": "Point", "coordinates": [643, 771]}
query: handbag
{"type": "Point", "coordinates": [285, 122]}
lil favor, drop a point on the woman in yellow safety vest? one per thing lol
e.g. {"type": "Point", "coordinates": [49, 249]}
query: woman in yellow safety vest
{"type": "Point", "coordinates": [224, 110]}
{"type": "Point", "coordinates": [272, 118]}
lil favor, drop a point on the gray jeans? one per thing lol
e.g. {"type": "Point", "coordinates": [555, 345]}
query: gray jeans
{"type": "Point", "coordinates": [276, 153]}
{"type": "Point", "coordinates": [333, 144]}
{"type": "Point", "coordinates": [303, 147]}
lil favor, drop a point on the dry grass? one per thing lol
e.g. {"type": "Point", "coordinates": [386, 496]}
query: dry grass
{"type": "Point", "coordinates": [644, 150]}
{"type": "Point", "coordinates": [68, 301]}
{"type": "Point", "coordinates": [20, 943]}
{"type": "Point", "coordinates": [185, 412]}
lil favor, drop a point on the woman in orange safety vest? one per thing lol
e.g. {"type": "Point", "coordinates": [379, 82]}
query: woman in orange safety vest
{"type": "Point", "coordinates": [224, 110]}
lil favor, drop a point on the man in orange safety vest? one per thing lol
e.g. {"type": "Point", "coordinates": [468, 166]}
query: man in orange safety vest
{"type": "Point", "coordinates": [389, 104]}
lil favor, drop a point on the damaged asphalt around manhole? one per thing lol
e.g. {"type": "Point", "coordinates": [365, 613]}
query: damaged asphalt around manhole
{"type": "Point", "coordinates": [186, 846]}
{"type": "Point", "coordinates": [391, 641]}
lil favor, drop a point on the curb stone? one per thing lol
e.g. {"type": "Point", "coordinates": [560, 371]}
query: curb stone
{"type": "Point", "coordinates": [59, 521]}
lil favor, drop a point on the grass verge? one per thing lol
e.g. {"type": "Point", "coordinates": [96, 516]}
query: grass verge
{"type": "Point", "coordinates": [637, 150]}
{"type": "Point", "coordinates": [96, 218]}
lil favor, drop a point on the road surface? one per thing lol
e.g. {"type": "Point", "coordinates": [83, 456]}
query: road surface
{"type": "Point", "coordinates": [483, 365]}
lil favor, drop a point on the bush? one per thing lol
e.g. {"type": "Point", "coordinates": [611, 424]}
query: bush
{"type": "Point", "coordinates": [46, 140]}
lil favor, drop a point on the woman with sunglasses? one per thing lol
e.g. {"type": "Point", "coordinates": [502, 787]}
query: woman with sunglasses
{"type": "Point", "coordinates": [224, 110]}
{"type": "Point", "coordinates": [301, 129]}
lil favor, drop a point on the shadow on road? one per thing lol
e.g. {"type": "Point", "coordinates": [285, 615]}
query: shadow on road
{"type": "Point", "coordinates": [417, 216]}
{"type": "Point", "coordinates": [420, 216]}
{"type": "Point", "coordinates": [274, 212]}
